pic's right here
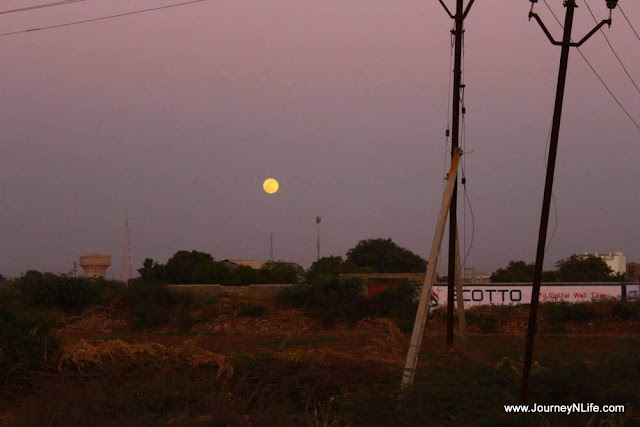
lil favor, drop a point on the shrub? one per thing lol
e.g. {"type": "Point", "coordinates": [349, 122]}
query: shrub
{"type": "Point", "coordinates": [153, 304]}
{"type": "Point", "coordinates": [70, 294]}
{"type": "Point", "coordinates": [399, 304]}
{"type": "Point", "coordinates": [252, 310]}
{"type": "Point", "coordinates": [24, 341]}
{"type": "Point", "coordinates": [328, 299]}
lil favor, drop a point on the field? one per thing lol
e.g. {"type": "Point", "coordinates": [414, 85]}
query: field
{"type": "Point", "coordinates": [251, 362]}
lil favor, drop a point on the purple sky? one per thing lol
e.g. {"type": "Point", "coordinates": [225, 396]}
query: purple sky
{"type": "Point", "coordinates": [175, 118]}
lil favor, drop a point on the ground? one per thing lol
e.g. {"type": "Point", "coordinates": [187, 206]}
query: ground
{"type": "Point", "coordinates": [284, 367]}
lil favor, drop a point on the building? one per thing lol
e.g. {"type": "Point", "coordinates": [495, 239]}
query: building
{"type": "Point", "coordinates": [615, 260]}
{"type": "Point", "coordinates": [95, 265]}
{"type": "Point", "coordinates": [633, 272]}
{"type": "Point", "coordinates": [246, 262]}
{"type": "Point", "coordinates": [471, 277]}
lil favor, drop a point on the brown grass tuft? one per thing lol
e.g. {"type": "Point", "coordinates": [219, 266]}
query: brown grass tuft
{"type": "Point", "coordinates": [82, 355]}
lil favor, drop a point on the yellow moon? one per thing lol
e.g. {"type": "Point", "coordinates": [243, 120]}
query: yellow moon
{"type": "Point", "coordinates": [270, 186]}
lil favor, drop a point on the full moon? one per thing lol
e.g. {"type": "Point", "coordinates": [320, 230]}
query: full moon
{"type": "Point", "coordinates": [270, 186]}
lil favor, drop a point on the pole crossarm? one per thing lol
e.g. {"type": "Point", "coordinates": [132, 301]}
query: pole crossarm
{"type": "Point", "coordinates": [447, 9]}
{"type": "Point", "coordinates": [466, 11]}
{"type": "Point", "coordinates": [557, 43]}
{"type": "Point", "coordinates": [544, 28]}
{"type": "Point", "coordinates": [592, 32]}
{"type": "Point", "coordinates": [464, 14]}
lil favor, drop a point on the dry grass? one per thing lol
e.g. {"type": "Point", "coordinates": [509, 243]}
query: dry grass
{"type": "Point", "coordinates": [289, 320]}
{"type": "Point", "coordinates": [95, 319]}
{"type": "Point", "coordinates": [388, 345]}
{"type": "Point", "coordinates": [82, 354]}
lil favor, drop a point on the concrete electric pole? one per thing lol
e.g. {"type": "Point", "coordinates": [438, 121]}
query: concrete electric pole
{"type": "Point", "coordinates": [566, 45]}
{"type": "Point", "coordinates": [458, 34]}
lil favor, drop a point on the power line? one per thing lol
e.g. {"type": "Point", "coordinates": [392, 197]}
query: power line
{"type": "Point", "coordinates": [612, 49]}
{"type": "Point", "coordinates": [629, 22]}
{"type": "Point", "coordinates": [103, 18]}
{"type": "Point", "coordinates": [41, 6]}
{"type": "Point", "coordinates": [637, 125]}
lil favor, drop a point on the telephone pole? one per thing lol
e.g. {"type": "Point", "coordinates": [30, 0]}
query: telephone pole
{"type": "Point", "coordinates": [566, 44]}
{"type": "Point", "coordinates": [318, 219]}
{"type": "Point", "coordinates": [458, 33]}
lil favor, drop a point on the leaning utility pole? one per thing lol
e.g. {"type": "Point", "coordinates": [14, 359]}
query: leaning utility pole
{"type": "Point", "coordinates": [458, 33]}
{"type": "Point", "coordinates": [566, 44]}
{"type": "Point", "coordinates": [417, 334]}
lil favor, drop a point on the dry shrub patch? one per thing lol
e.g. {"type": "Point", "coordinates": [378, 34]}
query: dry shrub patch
{"type": "Point", "coordinates": [96, 319]}
{"type": "Point", "coordinates": [388, 344]}
{"type": "Point", "coordinates": [82, 355]}
{"type": "Point", "coordinates": [282, 320]}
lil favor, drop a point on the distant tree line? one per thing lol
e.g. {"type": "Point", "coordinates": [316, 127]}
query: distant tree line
{"type": "Point", "coordinates": [189, 267]}
{"type": "Point", "coordinates": [576, 268]}
{"type": "Point", "coordinates": [368, 256]}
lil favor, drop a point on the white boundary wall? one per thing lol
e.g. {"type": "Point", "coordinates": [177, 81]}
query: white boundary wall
{"type": "Point", "coordinates": [520, 293]}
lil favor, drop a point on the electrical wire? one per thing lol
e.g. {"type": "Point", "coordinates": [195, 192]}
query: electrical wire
{"type": "Point", "coordinates": [629, 22]}
{"type": "Point", "coordinates": [446, 144]}
{"type": "Point", "coordinates": [119, 15]}
{"type": "Point", "coordinates": [41, 6]}
{"type": "Point", "coordinates": [612, 49]}
{"type": "Point", "coordinates": [637, 125]}
{"type": "Point", "coordinates": [466, 201]}
{"type": "Point", "coordinates": [473, 222]}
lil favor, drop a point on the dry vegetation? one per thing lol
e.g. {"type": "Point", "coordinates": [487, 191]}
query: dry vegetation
{"type": "Point", "coordinates": [236, 361]}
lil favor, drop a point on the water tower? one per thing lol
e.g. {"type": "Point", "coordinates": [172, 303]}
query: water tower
{"type": "Point", "coordinates": [95, 265]}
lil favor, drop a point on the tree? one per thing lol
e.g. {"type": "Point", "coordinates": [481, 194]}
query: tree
{"type": "Point", "coordinates": [385, 256]}
{"type": "Point", "coordinates": [151, 271]}
{"type": "Point", "coordinates": [519, 271]}
{"type": "Point", "coordinates": [583, 268]}
{"type": "Point", "coordinates": [516, 271]}
{"type": "Point", "coordinates": [181, 266]}
{"type": "Point", "coordinates": [328, 266]}
{"type": "Point", "coordinates": [2, 279]}
{"type": "Point", "coordinates": [281, 272]}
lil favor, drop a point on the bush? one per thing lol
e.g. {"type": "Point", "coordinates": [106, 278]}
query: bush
{"type": "Point", "coordinates": [70, 294]}
{"type": "Point", "coordinates": [399, 304]}
{"type": "Point", "coordinates": [24, 341]}
{"type": "Point", "coordinates": [252, 310]}
{"type": "Point", "coordinates": [329, 299]}
{"type": "Point", "coordinates": [153, 304]}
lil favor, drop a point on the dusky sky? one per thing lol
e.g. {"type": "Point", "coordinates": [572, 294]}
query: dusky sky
{"type": "Point", "coordinates": [174, 118]}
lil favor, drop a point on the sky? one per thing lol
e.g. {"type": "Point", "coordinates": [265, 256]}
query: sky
{"type": "Point", "coordinates": [174, 118]}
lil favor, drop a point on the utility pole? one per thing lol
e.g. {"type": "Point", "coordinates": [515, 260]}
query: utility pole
{"type": "Point", "coordinates": [417, 334]}
{"type": "Point", "coordinates": [458, 33]}
{"type": "Point", "coordinates": [566, 44]}
{"type": "Point", "coordinates": [318, 219]}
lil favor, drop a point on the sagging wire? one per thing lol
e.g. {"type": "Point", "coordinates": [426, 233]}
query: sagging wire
{"type": "Point", "coordinates": [466, 201]}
